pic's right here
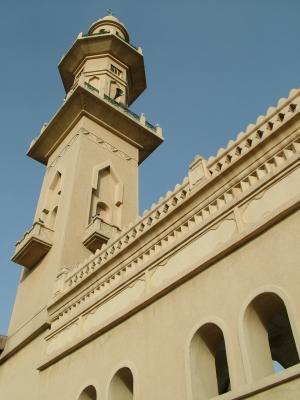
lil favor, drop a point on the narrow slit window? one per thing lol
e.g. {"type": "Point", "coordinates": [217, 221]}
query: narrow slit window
{"type": "Point", "coordinates": [116, 70]}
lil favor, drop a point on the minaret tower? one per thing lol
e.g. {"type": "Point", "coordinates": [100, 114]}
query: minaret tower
{"type": "Point", "coordinates": [91, 149]}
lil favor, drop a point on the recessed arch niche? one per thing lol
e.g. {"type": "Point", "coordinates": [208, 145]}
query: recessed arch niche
{"type": "Point", "coordinates": [89, 393]}
{"type": "Point", "coordinates": [106, 195]}
{"type": "Point", "coordinates": [122, 385]}
{"type": "Point", "coordinates": [269, 335]}
{"type": "Point", "coordinates": [208, 363]}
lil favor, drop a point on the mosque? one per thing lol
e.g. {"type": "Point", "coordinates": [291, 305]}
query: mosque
{"type": "Point", "coordinates": [196, 299]}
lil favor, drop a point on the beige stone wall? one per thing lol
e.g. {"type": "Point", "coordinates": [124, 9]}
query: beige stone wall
{"type": "Point", "coordinates": [153, 346]}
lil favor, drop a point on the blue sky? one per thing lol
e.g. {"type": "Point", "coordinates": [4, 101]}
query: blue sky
{"type": "Point", "coordinates": [212, 67]}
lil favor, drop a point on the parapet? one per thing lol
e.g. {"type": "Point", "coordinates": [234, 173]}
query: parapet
{"type": "Point", "coordinates": [201, 174]}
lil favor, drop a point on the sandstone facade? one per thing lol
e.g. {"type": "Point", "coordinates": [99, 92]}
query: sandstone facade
{"type": "Point", "coordinates": [196, 299]}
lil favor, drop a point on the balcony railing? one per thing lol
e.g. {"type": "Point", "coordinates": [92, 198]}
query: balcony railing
{"type": "Point", "coordinates": [90, 87]}
{"type": "Point", "coordinates": [150, 126]}
{"type": "Point", "coordinates": [120, 105]}
{"type": "Point", "coordinates": [123, 108]}
{"type": "Point", "coordinates": [102, 32]}
{"type": "Point", "coordinates": [84, 35]}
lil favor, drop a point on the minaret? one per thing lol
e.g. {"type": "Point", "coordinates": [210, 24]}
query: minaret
{"type": "Point", "coordinates": [91, 149]}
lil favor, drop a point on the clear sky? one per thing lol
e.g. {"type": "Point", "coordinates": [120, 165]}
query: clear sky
{"type": "Point", "coordinates": [212, 67]}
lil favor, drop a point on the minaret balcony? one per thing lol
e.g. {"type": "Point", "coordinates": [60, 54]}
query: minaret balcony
{"type": "Point", "coordinates": [34, 245]}
{"type": "Point", "coordinates": [85, 99]}
{"type": "Point", "coordinates": [121, 107]}
{"type": "Point", "coordinates": [98, 233]}
{"type": "Point", "coordinates": [84, 35]}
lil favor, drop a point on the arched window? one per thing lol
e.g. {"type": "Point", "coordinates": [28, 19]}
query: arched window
{"type": "Point", "coordinates": [106, 195]}
{"type": "Point", "coordinates": [121, 386]}
{"type": "Point", "coordinates": [269, 335]}
{"type": "Point", "coordinates": [103, 211]}
{"type": "Point", "coordinates": [89, 393]}
{"type": "Point", "coordinates": [53, 217]}
{"type": "Point", "coordinates": [94, 81]}
{"type": "Point", "coordinates": [277, 366]}
{"type": "Point", "coordinates": [209, 368]}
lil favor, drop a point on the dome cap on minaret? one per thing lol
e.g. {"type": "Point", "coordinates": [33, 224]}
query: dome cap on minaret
{"type": "Point", "coordinates": [109, 24]}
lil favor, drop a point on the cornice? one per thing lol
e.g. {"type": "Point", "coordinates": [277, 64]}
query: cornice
{"type": "Point", "coordinates": [83, 102]}
{"type": "Point", "coordinates": [88, 316]}
{"type": "Point", "coordinates": [253, 186]}
{"type": "Point", "coordinates": [215, 212]}
{"type": "Point", "coordinates": [96, 139]}
{"type": "Point", "coordinates": [255, 134]}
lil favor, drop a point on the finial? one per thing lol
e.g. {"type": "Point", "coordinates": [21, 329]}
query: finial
{"type": "Point", "coordinates": [109, 11]}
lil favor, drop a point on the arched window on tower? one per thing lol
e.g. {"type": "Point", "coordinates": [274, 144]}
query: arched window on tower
{"type": "Point", "coordinates": [89, 393]}
{"type": "Point", "coordinates": [49, 213]}
{"type": "Point", "coordinates": [116, 92]}
{"type": "Point", "coordinates": [103, 211]}
{"type": "Point", "coordinates": [106, 196]}
{"type": "Point", "coordinates": [94, 81]}
{"type": "Point", "coordinates": [53, 217]}
{"type": "Point", "coordinates": [269, 336]}
{"type": "Point", "coordinates": [121, 386]}
{"type": "Point", "coordinates": [209, 367]}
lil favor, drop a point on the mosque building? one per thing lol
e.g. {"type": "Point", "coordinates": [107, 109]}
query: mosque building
{"type": "Point", "coordinates": [196, 299]}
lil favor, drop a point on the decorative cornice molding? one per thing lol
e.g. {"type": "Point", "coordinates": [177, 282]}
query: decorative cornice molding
{"type": "Point", "coordinates": [100, 315]}
{"type": "Point", "coordinates": [197, 223]}
{"type": "Point", "coordinates": [108, 146]}
{"type": "Point", "coordinates": [63, 151]}
{"type": "Point", "coordinates": [111, 148]}
{"type": "Point", "coordinates": [246, 142]}
{"type": "Point", "coordinates": [255, 133]}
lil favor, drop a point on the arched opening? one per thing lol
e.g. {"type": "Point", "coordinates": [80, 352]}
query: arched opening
{"type": "Point", "coordinates": [53, 217]}
{"type": "Point", "coordinates": [116, 92]}
{"type": "Point", "coordinates": [106, 196]}
{"type": "Point", "coordinates": [209, 367]}
{"type": "Point", "coordinates": [103, 211]}
{"type": "Point", "coordinates": [89, 393]}
{"type": "Point", "coordinates": [49, 212]}
{"type": "Point", "coordinates": [269, 335]}
{"type": "Point", "coordinates": [56, 182]}
{"type": "Point", "coordinates": [94, 82]}
{"type": "Point", "coordinates": [121, 386]}
{"type": "Point", "coordinates": [277, 366]}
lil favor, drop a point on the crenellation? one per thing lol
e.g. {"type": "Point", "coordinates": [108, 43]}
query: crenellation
{"type": "Point", "coordinates": [247, 140]}
{"type": "Point", "coordinates": [204, 215]}
{"type": "Point", "coordinates": [108, 280]}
